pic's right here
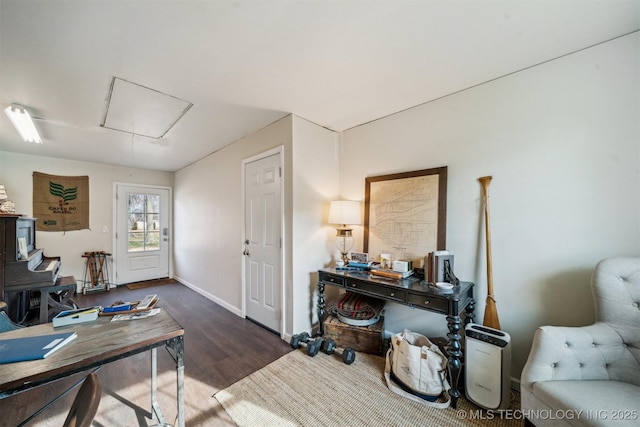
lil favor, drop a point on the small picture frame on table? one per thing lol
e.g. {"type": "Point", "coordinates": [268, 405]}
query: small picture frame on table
{"type": "Point", "coordinates": [360, 257]}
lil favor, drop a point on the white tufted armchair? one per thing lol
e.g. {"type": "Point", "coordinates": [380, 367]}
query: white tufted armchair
{"type": "Point", "coordinates": [590, 375]}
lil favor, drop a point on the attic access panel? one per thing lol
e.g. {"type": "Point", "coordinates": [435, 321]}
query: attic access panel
{"type": "Point", "coordinates": [139, 110]}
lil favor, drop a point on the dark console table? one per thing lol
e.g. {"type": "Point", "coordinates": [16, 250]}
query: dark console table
{"type": "Point", "coordinates": [412, 292]}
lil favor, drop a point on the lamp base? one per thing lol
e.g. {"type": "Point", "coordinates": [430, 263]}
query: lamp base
{"type": "Point", "coordinates": [344, 242]}
{"type": "Point", "coordinates": [345, 258]}
{"type": "Point", "coordinates": [344, 232]}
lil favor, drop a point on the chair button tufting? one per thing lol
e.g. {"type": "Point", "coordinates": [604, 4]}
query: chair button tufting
{"type": "Point", "coordinates": [635, 304]}
{"type": "Point", "coordinates": [581, 364]}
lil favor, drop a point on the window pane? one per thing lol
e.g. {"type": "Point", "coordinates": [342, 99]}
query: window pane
{"type": "Point", "coordinates": [152, 241]}
{"type": "Point", "coordinates": [153, 203]}
{"type": "Point", "coordinates": [136, 202]}
{"type": "Point", "coordinates": [135, 241]}
{"type": "Point", "coordinates": [144, 222]}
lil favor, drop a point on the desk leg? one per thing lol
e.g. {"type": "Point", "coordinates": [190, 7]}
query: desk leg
{"type": "Point", "coordinates": [455, 353]}
{"type": "Point", "coordinates": [178, 346]}
{"type": "Point", "coordinates": [155, 406]}
{"type": "Point", "coordinates": [321, 306]}
{"type": "Point", "coordinates": [469, 312]}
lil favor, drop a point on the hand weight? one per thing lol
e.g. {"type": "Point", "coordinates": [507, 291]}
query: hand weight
{"type": "Point", "coordinates": [348, 354]}
{"type": "Point", "coordinates": [304, 340]}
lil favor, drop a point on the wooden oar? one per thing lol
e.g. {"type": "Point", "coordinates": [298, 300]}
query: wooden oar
{"type": "Point", "coordinates": [490, 311]}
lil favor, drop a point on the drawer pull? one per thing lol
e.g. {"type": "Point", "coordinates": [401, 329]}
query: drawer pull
{"type": "Point", "coordinates": [427, 302]}
{"type": "Point", "coordinates": [393, 294]}
{"type": "Point", "coordinates": [353, 285]}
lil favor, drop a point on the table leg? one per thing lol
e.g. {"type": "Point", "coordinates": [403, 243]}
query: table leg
{"type": "Point", "coordinates": [321, 306]}
{"type": "Point", "coordinates": [178, 346]}
{"type": "Point", "coordinates": [455, 354]}
{"type": "Point", "coordinates": [469, 314]}
{"type": "Point", "coordinates": [155, 406]}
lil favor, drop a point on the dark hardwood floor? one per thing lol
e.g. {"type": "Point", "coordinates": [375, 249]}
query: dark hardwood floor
{"type": "Point", "coordinates": [220, 349]}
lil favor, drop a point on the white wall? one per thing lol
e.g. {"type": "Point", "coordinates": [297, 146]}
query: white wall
{"type": "Point", "coordinates": [209, 224]}
{"type": "Point", "coordinates": [16, 175]}
{"type": "Point", "coordinates": [209, 220]}
{"type": "Point", "coordinates": [315, 183]}
{"type": "Point", "coordinates": [562, 142]}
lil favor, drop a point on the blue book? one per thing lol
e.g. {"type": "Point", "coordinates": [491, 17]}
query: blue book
{"type": "Point", "coordinates": [362, 265]}
{"type": "Point", "coordinates": [33, 348]}
{"type": "Point", "coordinates": [119, 307]}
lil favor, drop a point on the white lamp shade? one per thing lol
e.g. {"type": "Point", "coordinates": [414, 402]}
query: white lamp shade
{"type": "Point", "coordinates": [344, 212]}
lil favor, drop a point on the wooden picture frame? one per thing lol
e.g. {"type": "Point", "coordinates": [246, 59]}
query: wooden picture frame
{"type": "Point", "coordinates": [405, 214]}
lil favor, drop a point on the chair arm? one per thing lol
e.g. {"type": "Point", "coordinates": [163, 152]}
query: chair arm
{"type": "Point", "coordinates": [572, 353]}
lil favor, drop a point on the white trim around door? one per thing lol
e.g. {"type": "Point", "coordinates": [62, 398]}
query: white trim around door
{"type": "Point", "coordinates": [153, 223]}
{"type": "Point", "coordinates": [279, 151]}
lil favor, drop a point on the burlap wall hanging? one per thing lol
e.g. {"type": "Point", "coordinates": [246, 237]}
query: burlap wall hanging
{"type": "Point", "coordinates": [60, 203]}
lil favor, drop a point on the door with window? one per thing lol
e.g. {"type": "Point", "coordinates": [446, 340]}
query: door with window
{"type": "Point", "coordinates": [142, 233]}
{"type": "Point", "coordinates": [263, 244]}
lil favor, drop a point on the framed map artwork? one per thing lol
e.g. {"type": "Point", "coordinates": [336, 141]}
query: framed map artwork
{"type": "Point", "coordinates": [405, 214]}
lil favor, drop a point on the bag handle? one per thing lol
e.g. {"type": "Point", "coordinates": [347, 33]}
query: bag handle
{"type": "Point", "coordinates": [396, 389]}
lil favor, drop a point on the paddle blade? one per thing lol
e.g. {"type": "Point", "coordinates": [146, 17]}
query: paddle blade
{"type": "Point", "coordinates": [491, 314]}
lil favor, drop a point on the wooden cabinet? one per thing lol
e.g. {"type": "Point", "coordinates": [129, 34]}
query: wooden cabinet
{"type": "Point", "coordinates": [8, 245]}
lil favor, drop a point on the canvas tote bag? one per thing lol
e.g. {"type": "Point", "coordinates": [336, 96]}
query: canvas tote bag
{"type": "Point", "coordinates": [416, 369]}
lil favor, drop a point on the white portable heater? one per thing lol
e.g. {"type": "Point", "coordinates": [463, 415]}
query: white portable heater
{"type": "Point", "coordinates": [488, 367]}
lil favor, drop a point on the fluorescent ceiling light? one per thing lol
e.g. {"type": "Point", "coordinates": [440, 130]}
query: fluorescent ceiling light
{"type": "Point", "coordinates": [23, 123]}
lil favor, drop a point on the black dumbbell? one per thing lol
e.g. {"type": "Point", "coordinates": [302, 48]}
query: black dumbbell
{"type": "Point", "coordinates": [304, 340]}
{"type": "Point", "coordinates": [348, 354]}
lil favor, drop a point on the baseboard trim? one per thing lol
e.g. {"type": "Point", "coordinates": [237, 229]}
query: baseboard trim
{"type": "Point", "coordinates": [210, 297]}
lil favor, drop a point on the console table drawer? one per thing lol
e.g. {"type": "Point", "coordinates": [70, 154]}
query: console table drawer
{"type": "Point", "coordinates": [337, 281]}
{"type": "Point", "coordinates": [431, 303]}
{"type": "Point", "coordinates": [380, 291]}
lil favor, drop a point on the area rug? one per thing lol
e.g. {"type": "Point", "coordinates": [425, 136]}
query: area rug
{"type": "Point", "coordinates": [150, 283]}
{"type": "Point", "coordinates": [298, 390]}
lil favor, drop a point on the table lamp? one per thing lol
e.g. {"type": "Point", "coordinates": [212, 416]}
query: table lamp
{"type": "Point", "coordinates": [344, 212]}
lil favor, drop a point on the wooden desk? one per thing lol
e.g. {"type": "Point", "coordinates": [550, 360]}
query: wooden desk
{"type": "Point", "coordinates": [98, 343]}
{"type": "Point", "coordinates": [412, 292]}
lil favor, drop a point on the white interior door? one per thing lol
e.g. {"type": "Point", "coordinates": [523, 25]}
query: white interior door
{"type": "Point", "coordinates": [142, 233]}
{"type": "Point", "coordinates": [263, 244]}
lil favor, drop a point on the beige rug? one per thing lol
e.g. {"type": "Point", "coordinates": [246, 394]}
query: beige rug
{"type": "Point", "coordinates": [298, 390]}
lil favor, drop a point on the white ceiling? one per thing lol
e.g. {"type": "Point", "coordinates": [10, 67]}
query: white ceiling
{"type": "Point", "coordinates": [245, 64]}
